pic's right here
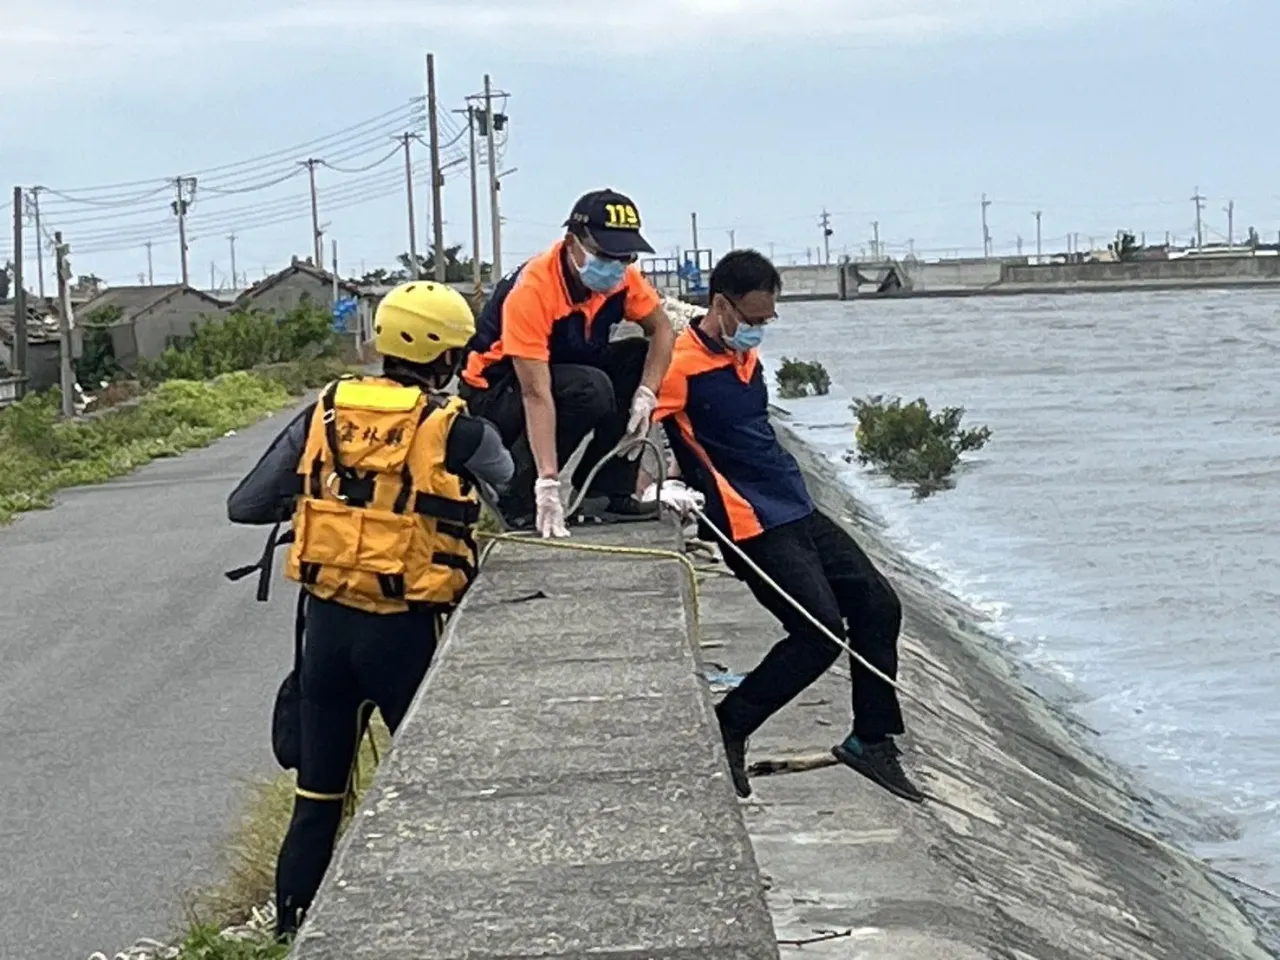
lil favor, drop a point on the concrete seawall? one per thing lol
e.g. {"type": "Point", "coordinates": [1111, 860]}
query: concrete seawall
{"type": "Point", "coordinates": [559, 790]}
{"type": "Point", "coordinates": [901, 279]}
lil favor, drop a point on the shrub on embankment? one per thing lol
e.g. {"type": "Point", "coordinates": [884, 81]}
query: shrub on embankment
{"type": "Point", "coordinates": [231, 373]}
{"type": "Point", "coordinates": [913, 445]}
{"type": "Point", "coordinates": [802, 378]}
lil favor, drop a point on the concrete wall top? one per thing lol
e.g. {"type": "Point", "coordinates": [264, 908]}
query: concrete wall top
{"type": "Point", "coordinates": [558, 788]}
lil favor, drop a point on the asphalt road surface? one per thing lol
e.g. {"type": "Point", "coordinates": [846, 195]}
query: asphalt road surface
{"type": "Point", "coordinates": [136, 685]}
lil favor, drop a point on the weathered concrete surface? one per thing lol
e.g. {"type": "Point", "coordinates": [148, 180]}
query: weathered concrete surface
{"type": "Point", "coordinates": [135, 698]}
{"type": "Point", "coordinates": [1000, 867]}
{"type": "Point", "coordinates": [558, 789]}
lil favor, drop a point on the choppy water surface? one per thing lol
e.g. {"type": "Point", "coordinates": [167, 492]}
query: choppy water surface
{"type": "Point", "coordinates": [1122, 525]}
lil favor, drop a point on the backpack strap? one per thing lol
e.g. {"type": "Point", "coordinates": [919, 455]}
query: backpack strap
{"type": "Point", "coordinates": [263, 566]}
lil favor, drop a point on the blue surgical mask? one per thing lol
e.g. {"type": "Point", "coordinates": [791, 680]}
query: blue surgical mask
{"type": "Point", "coordinates": [745, 338]}
{"type": "Point", "coordinates": [602, 275]}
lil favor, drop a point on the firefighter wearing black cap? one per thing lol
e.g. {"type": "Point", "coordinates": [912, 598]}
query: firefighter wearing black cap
{"type": "Point", "coordinates": [545, 370]}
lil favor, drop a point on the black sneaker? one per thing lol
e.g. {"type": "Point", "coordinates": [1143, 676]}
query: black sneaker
{"type": "Point", "coordinates": [878, 762]}
{"type": "Point", "coordinates": [735, 752]}
{"type": "Point", "coordinates": [619, 510]}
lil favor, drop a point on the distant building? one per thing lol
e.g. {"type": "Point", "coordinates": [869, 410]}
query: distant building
{"type": "Point", "coordinates": [283, 291]}
{"type": "Point", "coordinates": [44, 346]}
{"type": "Point", "coordinates": [150, 319]}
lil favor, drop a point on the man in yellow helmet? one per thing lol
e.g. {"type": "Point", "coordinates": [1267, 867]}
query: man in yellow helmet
{"type": "Point", "coordinates": [379, 477]}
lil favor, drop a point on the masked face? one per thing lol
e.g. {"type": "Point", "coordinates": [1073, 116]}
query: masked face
{"type": "Point", "coordinates": [600, 274]}
{"type": "Point", "coordinates": [744, 338]}
{"type": "Point", "coordinates": [750, 316]}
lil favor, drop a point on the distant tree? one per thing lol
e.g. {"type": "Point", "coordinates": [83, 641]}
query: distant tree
{"type": "Point", "coordinates": [6, 280]}
{"type": "Point", "coordinates": [456, 269]}
{"type": "Point", "coordinates": [1125, 247]}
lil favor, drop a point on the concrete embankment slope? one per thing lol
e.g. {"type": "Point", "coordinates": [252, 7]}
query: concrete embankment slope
{"type": "Point", "coordinates": [1002, 866]}
{"type": "Point", "coordinates": [559, 790]}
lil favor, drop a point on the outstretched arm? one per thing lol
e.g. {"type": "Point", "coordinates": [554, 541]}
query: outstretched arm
{"type": "Point", "coordinates": [267, 493]}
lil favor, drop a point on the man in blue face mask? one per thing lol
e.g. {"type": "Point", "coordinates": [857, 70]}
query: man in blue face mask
{"type": "Point", "coordinates": [545, 369]}
{"type": "Point", "coordinates": [714, 405]}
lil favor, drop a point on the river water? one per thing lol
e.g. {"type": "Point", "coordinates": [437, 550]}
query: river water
{"type": "Point", "coordinates": [1121, 527]}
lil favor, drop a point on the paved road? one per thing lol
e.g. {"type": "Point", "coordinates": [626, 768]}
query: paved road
{"type": "Point", "coordinates": [135, 694]}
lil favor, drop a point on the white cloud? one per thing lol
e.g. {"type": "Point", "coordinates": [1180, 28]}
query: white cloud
{"type": "Point", "coordinates": [630, 28]}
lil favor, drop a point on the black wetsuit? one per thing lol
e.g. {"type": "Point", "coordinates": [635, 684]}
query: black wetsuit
{"type": "Point", "coordinates": [350, 657]}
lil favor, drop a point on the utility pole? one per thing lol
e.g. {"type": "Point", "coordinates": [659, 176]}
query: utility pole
{"type": "Point", "coordinates": [875, 239]}
{"type": "Point", "coordinates": [232, 240]}
{"type": "Point", "coordinates": [986, 234]}
{"type": "Point", "coordinates": [693, 219]}
{"type": "Point", "coordinates": [477, 275]}
{"type": "Point", "coordinates": [437, 178]}
{"type": "Point", "coordinates": [67, 377]}
{"type": "Point", "coordinates": [477, 272]}
{"type": "Point", "coordinates": [180, 207]}
{"type": "Point", "coordinates": [1231, 222]}
{"type": "Point", "coordinates": [733, 240]}
{"type": "Point", "coordinates": [825, 223]}
{"type": "Point", "coordinates": [1039, 248]}
{"type": "Point", "coordinates": [1199, 202]}
{"type": "Point", "coordinates": [494, 215]}
{"type": "Point", "coordinates": [317, 238]}
{"type": "Point", "coordinates": [911, 247]}
{"type": "Point", "coordinates": [151, 273]}
{"type": "Point", "coordinates": [35, 213]}
{"type": "Point", "coordinates": [19, 292]}
{"type": "Point", "coordinates": [771, 246]}
{"type": "Point", "coordinates": [414, 270]}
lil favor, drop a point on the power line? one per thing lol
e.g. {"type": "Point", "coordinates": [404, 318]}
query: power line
{"type": "Point", "coordinates": [246, 220]}
{"type": "Point", "coordinates": [415, 107]}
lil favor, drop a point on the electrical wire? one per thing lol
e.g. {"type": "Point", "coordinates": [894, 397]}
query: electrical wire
{"type": "Point", "coordinates": [284, 211]}
{"type": "Point", "coordinates": [415, 106]}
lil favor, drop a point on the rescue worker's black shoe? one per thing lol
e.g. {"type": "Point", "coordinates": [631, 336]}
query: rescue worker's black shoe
{"type": "Point", "coordinates": [618, 510]}
{"type": "Point", "coordinates": [878, 762]}
{"type": "Point", "coordinates": [735, 752]}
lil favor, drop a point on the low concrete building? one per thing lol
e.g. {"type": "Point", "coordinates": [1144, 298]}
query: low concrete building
{"type": "Point", "coordinates": [147, 320]}
{"type": "Point", "coordinates": [44, 352]}
{"type": "Point", "coordinates": [283, 291]}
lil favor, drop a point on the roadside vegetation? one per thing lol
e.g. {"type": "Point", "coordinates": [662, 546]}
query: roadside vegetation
{"type": "Point", "coordinates": [911, 444]}
{"type": "Point", "coordinates": [232, 372]}
{"type": "Point", "coordinates": [802, 378]}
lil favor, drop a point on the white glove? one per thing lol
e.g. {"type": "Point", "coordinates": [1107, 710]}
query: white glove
{"type": "Point", "coordinates": [642, 406]}
{"type": "Point", "coordinates": [550, 520]}
{"type": "Point", "coordinates": [676, 496]}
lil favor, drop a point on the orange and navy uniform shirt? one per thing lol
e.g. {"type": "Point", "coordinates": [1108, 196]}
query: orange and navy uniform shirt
{"type": "Point", "coordinates": [542, 311]}
{"type": "Point", "coordinates": [714, 406]}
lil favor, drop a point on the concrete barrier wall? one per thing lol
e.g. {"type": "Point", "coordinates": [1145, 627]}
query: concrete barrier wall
{"type": "Point", "coordinates": [1187, 269]}
{"type": "Point", "coordinates": [810, 281]}
{"type": "Point", "coordinates": [952, 275]}
{"type": "Point", "coordinates": [559, 786]}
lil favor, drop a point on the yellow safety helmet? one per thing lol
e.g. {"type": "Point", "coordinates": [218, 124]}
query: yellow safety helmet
{"type": "Point", "coordinates": [419, 320]}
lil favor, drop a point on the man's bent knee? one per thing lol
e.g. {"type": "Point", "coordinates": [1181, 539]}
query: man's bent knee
{"type": "Point", "coordinates": [583, 391]}
{"type": "Point", "coordinates": [885, 608]}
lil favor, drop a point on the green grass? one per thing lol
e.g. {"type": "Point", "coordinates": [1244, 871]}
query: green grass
{"type": "Point", "coordinates": [42, 453]}
{"type": "Point", "coordinates": [249, 857]}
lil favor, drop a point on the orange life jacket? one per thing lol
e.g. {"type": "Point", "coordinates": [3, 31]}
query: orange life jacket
{"type": "Point", "coordinates": [381, 523]}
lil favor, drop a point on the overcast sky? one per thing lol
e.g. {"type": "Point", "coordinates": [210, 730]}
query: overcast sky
{"type": "Point", "coordinates": [756, 114]}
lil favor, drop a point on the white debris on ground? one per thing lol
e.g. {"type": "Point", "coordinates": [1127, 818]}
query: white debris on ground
{"type": "Point", "coordinates": [681, 312]}
{"type": "Point", "coordinates": [260, 927]}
